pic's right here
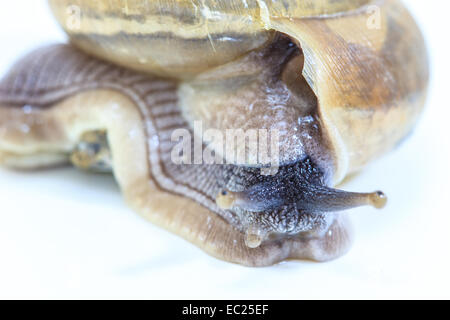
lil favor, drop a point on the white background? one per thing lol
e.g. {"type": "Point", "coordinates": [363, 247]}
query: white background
{"type": "Point", "coordinates": [65, 234]}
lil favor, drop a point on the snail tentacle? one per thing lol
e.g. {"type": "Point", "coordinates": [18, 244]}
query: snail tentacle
{"type": "Point", "coordinates": [307, 196]}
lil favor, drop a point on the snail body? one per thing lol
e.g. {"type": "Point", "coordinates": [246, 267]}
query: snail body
{"type": "Point", "coordinates": [337, 92]}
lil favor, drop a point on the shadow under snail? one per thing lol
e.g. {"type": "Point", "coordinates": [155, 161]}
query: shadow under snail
{"type": "Point", "coordinates": [339, 88]}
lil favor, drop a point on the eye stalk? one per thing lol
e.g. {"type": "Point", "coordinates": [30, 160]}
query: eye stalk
{"type": "Point", "coordinates": [316, 199]}
{"type": "Point", "coordinates": [226, 199]}
{"type": "Point", "coordinates": [311, 198]}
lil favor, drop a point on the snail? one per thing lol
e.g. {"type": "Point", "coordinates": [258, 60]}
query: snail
{"type": "Point", "coordinates": [335, 83]}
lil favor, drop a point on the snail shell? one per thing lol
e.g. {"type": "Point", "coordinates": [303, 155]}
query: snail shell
{"type": "Point", "coordinates": [204, 33]}
{"type": "Point", "coordinates": [340, 93]}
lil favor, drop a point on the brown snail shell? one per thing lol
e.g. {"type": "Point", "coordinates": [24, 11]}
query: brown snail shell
{"type": "Point", "coordinates": [361, 92]}
{"type": "Point", "coordinates": [205, 33]}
